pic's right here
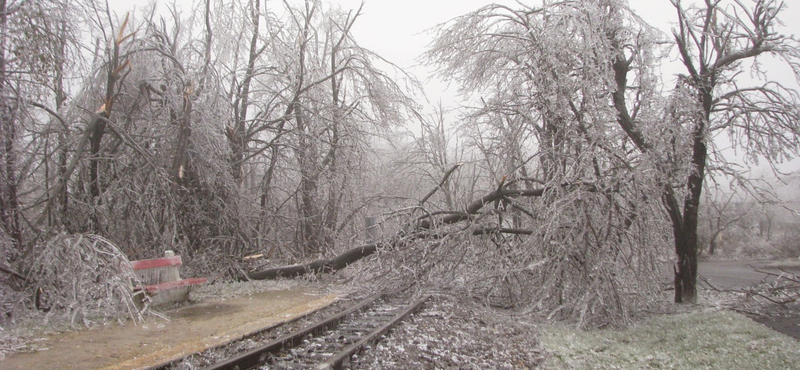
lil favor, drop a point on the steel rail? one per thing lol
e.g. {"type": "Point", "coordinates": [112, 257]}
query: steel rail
{"type": "Point", "coordinates": [335, 362]}
{"type": "Point", "coordinates": [258, 355]}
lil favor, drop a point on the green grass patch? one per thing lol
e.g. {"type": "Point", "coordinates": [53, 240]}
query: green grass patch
{"type": "Point", "coordinates": [707, 339]}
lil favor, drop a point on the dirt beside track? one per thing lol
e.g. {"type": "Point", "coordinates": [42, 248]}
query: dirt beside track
{"type": "Point", "coordinates": [189, 329]}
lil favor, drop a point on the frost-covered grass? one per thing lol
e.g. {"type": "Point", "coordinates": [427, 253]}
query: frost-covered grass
{"type": "Point", "coordinates": [703, 339]}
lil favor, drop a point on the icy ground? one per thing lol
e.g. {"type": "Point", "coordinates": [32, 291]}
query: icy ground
{"type": "Point", "coordinates": [448, 335]}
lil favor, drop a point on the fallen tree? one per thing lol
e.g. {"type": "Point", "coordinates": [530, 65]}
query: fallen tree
{"type": "Point", "coordinates": [321, 265]}
{"type": "Point", "coordinates": [583, 251]}
{"type": "Point", "coordinates": [351, 256]}
{"type": "Point", "coordinates": [422, 229]}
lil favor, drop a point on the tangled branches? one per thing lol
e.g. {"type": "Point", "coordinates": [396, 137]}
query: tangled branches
{"type": "Point", "coordinates": [577, 252]}
{"type": "Point", "coordinates": [782, 289]}
{"type": "Point", "coordinates": [83, 277]}
{"type": "Point", "coordinates": [587, 252]}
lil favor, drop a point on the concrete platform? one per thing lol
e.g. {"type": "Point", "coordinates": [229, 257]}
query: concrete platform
{"type": "Point", "coordinates": [190, 329]}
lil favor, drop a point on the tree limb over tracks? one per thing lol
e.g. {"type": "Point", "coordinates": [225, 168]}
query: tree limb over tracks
{"type": "Point", "coordinates": [425, 228]}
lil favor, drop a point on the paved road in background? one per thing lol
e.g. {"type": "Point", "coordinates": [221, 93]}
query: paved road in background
{"type": "Point", "coordinates": [741, 274]}
{"type": "Point", "coordinates": [736, 275]}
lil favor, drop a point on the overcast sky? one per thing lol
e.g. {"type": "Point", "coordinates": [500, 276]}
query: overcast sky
{"type": "Point", "coordinates": [398, 30]}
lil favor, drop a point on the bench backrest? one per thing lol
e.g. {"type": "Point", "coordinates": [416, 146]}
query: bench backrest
{"type": "Point", "coordinates": [157, 270]}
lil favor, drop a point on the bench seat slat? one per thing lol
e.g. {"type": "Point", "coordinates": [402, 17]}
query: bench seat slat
{"type": "Point", "coordinates": [173, 284]}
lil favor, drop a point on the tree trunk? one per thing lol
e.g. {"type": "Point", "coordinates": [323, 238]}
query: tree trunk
{"type": "Point", "coordinates": [311, 233]}
{"type": "Point", "coordinates": [96, 138]}
{"type": "Point", "coordinates": [685, 268]}
{"type": "Point", "coordinates": [322, 265]}
{"type": "Point", "coordinates": [9, 201]}
{"type": "Point", "coordinates": [63, 151]}
{"type": "Point", "coordinates": [335, 191]}
{"type": "Point", "coordinates": [237, 135]}
{"type": "Point", "coordinates": [712, 244]}
{"type": "Point", "coordinates": [98, 129]}
{"type": "Point", "coordinates": [684, 225]}
{"type": "Point", "coordinates": [686, 247]}
{"type": "Point", "coordinates": [180, 163]}
{"type": "Point", "coordinates": [684, 232]}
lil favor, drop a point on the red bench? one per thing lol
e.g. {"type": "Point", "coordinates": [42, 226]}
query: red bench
{"type": "Point", "coordinates": [161, 280]}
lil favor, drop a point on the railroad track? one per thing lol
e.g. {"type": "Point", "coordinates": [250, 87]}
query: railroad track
{"type": "Point", "coordinates": [329, 343]}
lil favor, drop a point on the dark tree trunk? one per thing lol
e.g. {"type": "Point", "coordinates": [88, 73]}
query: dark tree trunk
{"type": "Point", "coordinates": [684, 224]}
{"type": "Point", "coordinates": [684, 228]}
{"type": "Point", "coordinates": [322, 265]}
{"type": "Point", "coordinates": [96, 139]}
{"type": "Point", "coordinates": [180, 163]}
{"type": "Point", "coordinates": [9, 201]}
{"type": "Point", "coordinates": [57, 209]}
{"type": "Point", "coordinates": [335, 191]}
{"type": "Point", "coordinates": [712, 244]}
{"type": "Point", "coordinates": [686, 247]}
{"type": "Point", "coordinates": [686, 269]}
{"type": "Point", "coordinates": [97, 128]}
{"type": "Point", "coordinates": [237, 135]}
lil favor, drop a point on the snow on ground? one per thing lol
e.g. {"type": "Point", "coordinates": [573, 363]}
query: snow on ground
{"type": "Point", "coordinates": [449, 335]}
{"type": "Point", "coordinates": [455, 334]}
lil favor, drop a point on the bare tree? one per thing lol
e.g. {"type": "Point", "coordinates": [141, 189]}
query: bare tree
{"type": "Point", "coordinates": [240, 133]}
{"type": "Point", "coordinates": [529, 59]}
{"type": "Point", "coordinates": [715, 42]}
{"type": "Point", "coordinates": [722, 211]}
{"type": "Point", "coordinates": [337, 100]}
{"type": "Point", "coordinates": [433, 152]}
{"type": "Point", "coordinates": [36, 38]}
{"type": "Point", "coordinates": [114, 70]}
